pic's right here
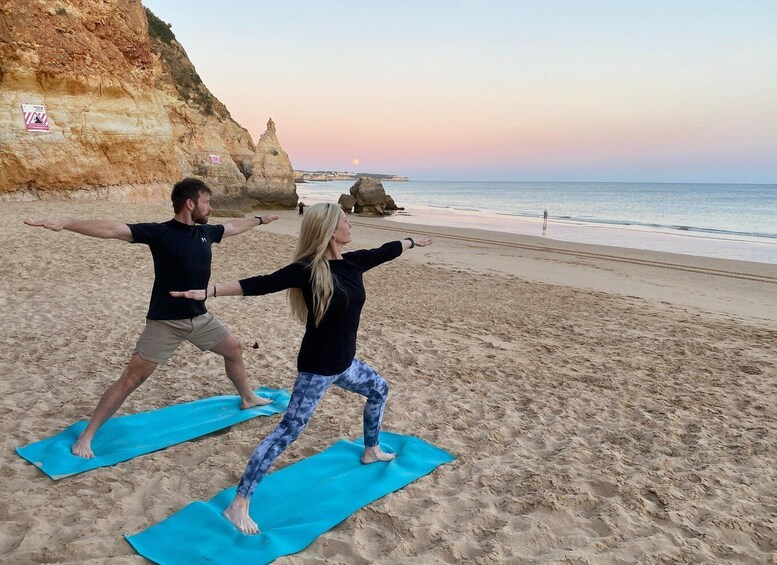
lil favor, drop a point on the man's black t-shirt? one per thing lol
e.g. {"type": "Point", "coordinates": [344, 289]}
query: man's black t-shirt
{"type": "Point", "coordinates": [329, 348]}
{"type": "Point", "coordinates": [182, 258]}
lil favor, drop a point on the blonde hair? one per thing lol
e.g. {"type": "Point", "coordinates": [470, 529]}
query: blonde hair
{"type": "Point", "coordinates": [318, 225]}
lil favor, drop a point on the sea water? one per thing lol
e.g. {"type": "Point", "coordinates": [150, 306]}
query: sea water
{"type": "Point", "coordinates": [734, 221]}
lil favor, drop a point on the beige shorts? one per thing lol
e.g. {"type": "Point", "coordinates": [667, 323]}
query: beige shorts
{"type": "Point", "coordinates": [161, 338]}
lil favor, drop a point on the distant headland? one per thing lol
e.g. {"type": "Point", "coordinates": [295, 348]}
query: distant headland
{"type": "Point", "coordinates": [317, 176]}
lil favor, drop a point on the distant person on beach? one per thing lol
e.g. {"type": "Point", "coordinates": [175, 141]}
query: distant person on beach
{"type": "Point", "coordinates": [326, 292]}
{"type": "Point", "coordinates": [301, 209]}
{"type": "Point", "coordinates": [181, 249]}
{"type": "Point", "coordinates": [545, 219]}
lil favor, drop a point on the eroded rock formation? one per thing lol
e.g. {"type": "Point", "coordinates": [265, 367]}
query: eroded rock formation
{"type": "Point", "coordinates": [371, 198]}
{"type": "Point", "coordinates": [346, 202]}
{"type": "Point", "coordinates": [271, 184]}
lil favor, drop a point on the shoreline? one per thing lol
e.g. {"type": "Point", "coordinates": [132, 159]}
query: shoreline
{"type": "Point", "coordinates": [632, 236]}
{"type": "Point", "coordinates": [704, 243]}
{"type": "Point", "coordinates": [743, 289]}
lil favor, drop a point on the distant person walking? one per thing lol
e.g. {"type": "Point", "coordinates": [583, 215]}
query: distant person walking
{"type": "Point", "coordinates": [326, 292]}
{"type": "Point", "coordinates": [181, 249]}
{"type": "Point", "coordinates": [544, 220]}
{"type": "Point", "coordinates": [301, 209]}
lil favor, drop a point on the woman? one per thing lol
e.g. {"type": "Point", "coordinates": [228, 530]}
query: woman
{"type": "Point", "coordinates": [326, 293]}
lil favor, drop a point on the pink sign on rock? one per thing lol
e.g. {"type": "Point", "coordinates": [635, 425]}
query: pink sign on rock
{"type": "Point", "coordinates": [35, 118]}
{"type": "Point", "coordinates": [215, 159]}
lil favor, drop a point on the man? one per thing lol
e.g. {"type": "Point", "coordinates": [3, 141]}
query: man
{"type": "Point", "coordinates": [181, 249]}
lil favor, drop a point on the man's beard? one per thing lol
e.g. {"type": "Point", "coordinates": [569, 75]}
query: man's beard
{"type": "Point", "coordinates": [200, 219]}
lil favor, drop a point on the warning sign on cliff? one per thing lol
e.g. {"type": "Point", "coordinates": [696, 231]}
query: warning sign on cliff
{"type": "Point", "coordinates": [35, 117]}
{"type": "Point", "coordinates": [215, 159]}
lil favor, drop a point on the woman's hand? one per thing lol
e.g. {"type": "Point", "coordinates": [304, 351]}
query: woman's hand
{"type": "Point", "coordinates": [410, 242]}
{"type": "Point", "coordinates": [423, 241]}
{"type": "Point", "coordinates": [193, 294]}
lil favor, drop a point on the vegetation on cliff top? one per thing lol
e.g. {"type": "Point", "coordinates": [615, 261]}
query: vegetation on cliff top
{"type": "Point", "coordinates": [159, 29]}
{"type": "Point", "coordinates": [185, 78]}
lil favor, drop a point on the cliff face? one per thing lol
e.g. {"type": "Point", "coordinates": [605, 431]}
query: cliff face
{"type": "Point", "coordinates": [127, 114]}
{"type": "Point", "coordinates": [208, 142]}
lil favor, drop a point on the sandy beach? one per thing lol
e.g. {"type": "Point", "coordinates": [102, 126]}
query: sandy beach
{"type": "Point", "coordinates": [604, 405]}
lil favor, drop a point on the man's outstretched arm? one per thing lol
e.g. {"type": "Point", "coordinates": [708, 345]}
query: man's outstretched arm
{"type": "Point", "coordinates": [235, 227]}
{"type": "Point", "coordinates": [104, 229]}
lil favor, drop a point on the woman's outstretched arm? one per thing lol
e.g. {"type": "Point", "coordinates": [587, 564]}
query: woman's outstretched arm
{"type": "Point", "coordinates": [213, 291]}
{"type": "Point", "coordinates": [370, 258]}
{"type": "Point", "coordinates": [290, 276]}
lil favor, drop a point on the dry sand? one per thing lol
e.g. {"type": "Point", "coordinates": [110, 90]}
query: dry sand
{"type": "Point", "coordinates": [604, 405]}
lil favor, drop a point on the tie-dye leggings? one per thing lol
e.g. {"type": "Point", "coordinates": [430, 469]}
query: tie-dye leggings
{"type": "Point", "coordinates": [308, 391]}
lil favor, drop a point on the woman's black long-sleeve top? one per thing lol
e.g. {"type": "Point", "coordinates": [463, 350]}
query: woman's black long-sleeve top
{"type": "Point", "coordinates": [329, 348]}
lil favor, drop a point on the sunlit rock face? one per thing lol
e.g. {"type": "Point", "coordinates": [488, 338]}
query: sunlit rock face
{"type": "Point", "coordinates": [271, 183]}
{"type": "Point", "coordinates": [371, 198]}
{"type": "Point", "coordinates": [127, 113]}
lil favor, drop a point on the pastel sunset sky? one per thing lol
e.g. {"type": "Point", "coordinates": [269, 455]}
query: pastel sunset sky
{"type": "Point", "coordinates": [551, 90]}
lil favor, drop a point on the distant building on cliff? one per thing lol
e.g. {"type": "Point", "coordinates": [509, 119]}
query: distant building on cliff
{"type": "Point", "coordinates": [319, 176]}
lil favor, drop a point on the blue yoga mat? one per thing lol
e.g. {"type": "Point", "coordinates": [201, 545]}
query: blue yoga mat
{"type": "Point", "coordinates": [292, 506]}
{"type": "Point", "coordinates": [125, 437]}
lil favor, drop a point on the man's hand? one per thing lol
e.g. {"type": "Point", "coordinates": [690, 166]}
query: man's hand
{"type": "Point", "coordinates": [53, 225]}
{"type": "Point", "coordinates": [192, 294]}
{"type": "Point", "coordinates": [104, 229]}
{"type": "Point", "coordinates": [268, 219]}
{"type": "Point", "coordinates": [242, 225]}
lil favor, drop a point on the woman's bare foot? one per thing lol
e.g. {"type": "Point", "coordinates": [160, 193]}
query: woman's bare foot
{"type": "Point", "coordinates": [237, 513]}
{"type": "Point", "coordinates": [82, 448]}
{"type": "Point", "coordinates": [374, 454]}
{"type": "Point", "coordinates": [254, 400]}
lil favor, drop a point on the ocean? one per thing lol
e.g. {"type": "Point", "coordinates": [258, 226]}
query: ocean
{"type": "Point", "coordinates": [731, 221]}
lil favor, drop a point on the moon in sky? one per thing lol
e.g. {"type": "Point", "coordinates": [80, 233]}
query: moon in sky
{"type": "Point", "coordinates": [355, 162]}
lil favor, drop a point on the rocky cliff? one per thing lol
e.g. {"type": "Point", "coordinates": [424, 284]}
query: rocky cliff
{"type": "Point", "coordinates": [126, 112]}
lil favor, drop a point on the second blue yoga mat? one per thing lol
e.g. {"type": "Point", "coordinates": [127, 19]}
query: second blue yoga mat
{"type": "Point", "coordinates": [292, 506]}
{"type": "Point", "coordinates": [125, 437]}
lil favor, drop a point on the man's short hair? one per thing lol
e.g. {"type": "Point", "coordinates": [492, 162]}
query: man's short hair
{"type": "Point", "coordinates": [189, 188]}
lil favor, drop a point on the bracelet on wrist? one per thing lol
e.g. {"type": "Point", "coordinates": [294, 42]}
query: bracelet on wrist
{"type": "Point", "coordinates": [261, 221]}
{"type": "Point", "coordinates": [412, 243]}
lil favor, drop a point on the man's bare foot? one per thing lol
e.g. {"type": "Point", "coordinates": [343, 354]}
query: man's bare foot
{"type": "Point", "coordinates": [237, 513]}
{"type": "Point", "coordinates": [82, 448]}
{"type": "Point", "coordinates": [254, 400]}
{"type": "Point", "coordinates": [374, 454]}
